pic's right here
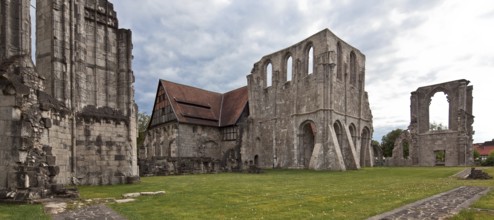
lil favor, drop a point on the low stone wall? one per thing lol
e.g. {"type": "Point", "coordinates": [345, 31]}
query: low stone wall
{"type": "Point", "coordinates": [162, 166]}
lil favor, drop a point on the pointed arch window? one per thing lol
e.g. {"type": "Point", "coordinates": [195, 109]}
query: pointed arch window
{"type": "Point", "coordinates": [269, 74]}
{"type": "Point", "coordinates": [353, 68]}
{"type": "Point", "coordinates": [439, 112]}
{"type": "Point", "coordinates": [289, 65]}
{"type": "Point", "coordinates": [310, 60]}
{"type": "Point", "coordinates": [339, 62]}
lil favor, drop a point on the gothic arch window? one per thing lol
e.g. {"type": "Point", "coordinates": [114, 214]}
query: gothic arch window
{"type": "Point", "coordinates": [339, 132]}
{"type": "Point", "coordinates": [310, 59]}
{"type": "Point", "coordinates": [439, 111]}
{"type": "Point", "coordinates": [269, 74]}
{"type": "Point", "coordinates": [339, 62]}
{"type": "Point", "coordinates": [288, 67]}
{"type": "Point", "coordinates": [353, 132]}
{"type": "Point", "coordinates": [353, 68]}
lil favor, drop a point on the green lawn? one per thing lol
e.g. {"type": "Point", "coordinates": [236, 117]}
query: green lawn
{"type": "Point", "coordinates": [22, 212]}
{"type": "Point", "coordinates": [287, 194]}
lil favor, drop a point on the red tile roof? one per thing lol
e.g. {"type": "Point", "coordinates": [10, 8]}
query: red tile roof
{"type": "Point", "coordinates": [232, 106]}
{"type": "Point", "coordinates": [484, 149]}
{"type": "Point", "coordinates": [198, 106]}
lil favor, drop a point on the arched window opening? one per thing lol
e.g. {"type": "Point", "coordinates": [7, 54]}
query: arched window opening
{"type": "Point", "coordinates": [439, 112]}
{"type": "Point", "coordinates": [310, 61]}
{"type": "Point", "coordinates": [353, 132]}
{"type": "Point", "coordinates": [269, 75]}
{"type": "Point", "coordinates": [339, 62]}
{"type": "Point", "coordinates": [353, 68]}
{"type": "Point", "coordinates": [289, 68]}
{"type": "Point", "coordinates": [339, 132]}
{"type": "Point", "coordinates": [256, 160]}
{"type": "Point", "coordinates": [405, 146]}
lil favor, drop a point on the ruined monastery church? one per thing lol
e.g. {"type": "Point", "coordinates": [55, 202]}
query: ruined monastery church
{"type": "Point", "coordinates": [303, 107]}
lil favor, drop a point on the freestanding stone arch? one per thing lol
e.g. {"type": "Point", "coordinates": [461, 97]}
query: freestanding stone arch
{"type": "Point", "coordinates": [454, 145]}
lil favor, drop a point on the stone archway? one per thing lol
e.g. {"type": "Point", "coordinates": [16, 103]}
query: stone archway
{"type": "Point", "coordinates": [365, 151]}
{"type": "Point", "coordinates": [307, 141]}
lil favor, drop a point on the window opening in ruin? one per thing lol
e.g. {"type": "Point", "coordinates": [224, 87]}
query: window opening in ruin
{"type": "Point", "coordinates": [310, 61]}
{"type": "Point", "coordinates": [440, 157]}
{"type": "Point", "coordinates": [405, 146]}
{"type": "Point", "coordinates": [339, 133]}
{"type": "Point", "coordinates": [32, 12]}
{"type": "Point", "coordinates": [289, 68]}
{"type": "Point", "coordinates": [256, 160]}
{"type": "Point", "coordinates": [439, 112]}
{"type": "Point", "coordinates": [230, 133]}
{"type": "Point", "coordinates": [269, 75]}
{"type": "Point", "coordinates": [353, 132]}
{"type": "Point", "coordinates": [339, 68]}
{"type": "Point", "coordinates": [353, 68]}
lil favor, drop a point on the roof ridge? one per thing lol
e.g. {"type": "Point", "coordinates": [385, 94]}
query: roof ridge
{"type": "Point", "coordinates": [180, 84]}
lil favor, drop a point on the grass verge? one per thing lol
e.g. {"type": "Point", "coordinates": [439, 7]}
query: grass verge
{"type": "Point", "coordinates": [22, 212]}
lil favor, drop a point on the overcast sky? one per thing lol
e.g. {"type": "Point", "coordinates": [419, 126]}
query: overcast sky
{"type": "Point", "coordinates": [212, 44]}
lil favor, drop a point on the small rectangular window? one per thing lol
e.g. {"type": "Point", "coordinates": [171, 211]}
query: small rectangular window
{"type": "Point", "coordinates": [230, 133]}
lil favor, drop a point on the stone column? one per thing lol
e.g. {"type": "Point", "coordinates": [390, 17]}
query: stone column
{"type": "Point", "coordinates": [15, 28]}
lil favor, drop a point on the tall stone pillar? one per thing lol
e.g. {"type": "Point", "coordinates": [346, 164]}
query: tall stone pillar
{"type": "Point", "coordinates": [15, 28]}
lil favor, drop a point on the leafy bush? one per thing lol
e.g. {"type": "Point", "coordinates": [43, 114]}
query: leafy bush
{"type": "Point", "coordinates": [489, 161]}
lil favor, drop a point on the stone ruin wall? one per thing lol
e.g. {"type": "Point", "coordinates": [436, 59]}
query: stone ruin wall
{"type": "Point", "coordinates": [46, 119]}
{"type": "Point", "coordinates": [85, 44]}
{"type": "Point", "coordinates": [456, 141]}
{"type": "Point", "coordinates": [86, 60]}
{"type": "Point", "coordinates": [329, 95]}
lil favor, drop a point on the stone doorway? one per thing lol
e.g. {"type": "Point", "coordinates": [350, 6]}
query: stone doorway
{"type": "Point", "coordinates": [307, 141]}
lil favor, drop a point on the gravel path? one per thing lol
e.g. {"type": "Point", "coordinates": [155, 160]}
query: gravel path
{"type": "Point", "coordinates": [437, 207]}
{"type": "Point", "coordinates": [99, 212]}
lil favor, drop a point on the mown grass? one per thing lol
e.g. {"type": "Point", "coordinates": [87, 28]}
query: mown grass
{"type": "Point", "coordinates": [22, 212]}
{"type": "Point", "coordinates": [283, 194]}
{"type": "Point", "coordinates": [287, 194]}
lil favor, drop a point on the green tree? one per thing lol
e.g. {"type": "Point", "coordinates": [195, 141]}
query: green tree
{"type": "Point", "coordinates": [375, 144]}
{"type": "Point", "coordinates": [476, 155]}
{"type": "Point", "coordinates": [434, 126]}
{"type": "Point", "coordinates": [142, 125]}
{"type": "Point", "coordinates": [388, 142]}
{"type": "Point", "coordinates": [406, 149]}
{"type": "Point", "coordinates": [489, 161]}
